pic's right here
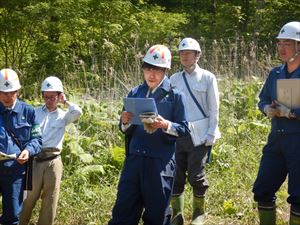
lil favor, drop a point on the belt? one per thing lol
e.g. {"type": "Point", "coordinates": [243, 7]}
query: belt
{"type": "Point", "coordinates": [47, 154]}
{"type": "Point", "coordinates": [49, 149]}
{"type": "Point", "coordinates": [37, 159]}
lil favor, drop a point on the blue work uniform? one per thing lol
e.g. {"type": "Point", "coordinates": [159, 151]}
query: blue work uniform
{"type": "Point", "coordinates": [20, 122]}
{"type": "Point", "coordinates": [281, 154]}
{"type": "Point", "coordinates": [147, 178]}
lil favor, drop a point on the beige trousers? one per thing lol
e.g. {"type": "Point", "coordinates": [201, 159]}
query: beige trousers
{"type": "Point", "coordinates": [46, 179]}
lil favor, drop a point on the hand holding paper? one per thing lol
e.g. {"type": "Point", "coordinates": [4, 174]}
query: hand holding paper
{"type": "Point", "coordinates": [283, 111]}
{"type": "Point", "coordinates": [270, 110]}
{"type": "Point", "coordinates": [23, 157]}
{"type": "Point", "coordinates": [126, 117]}
{"type": "Point", "coordinates": [161, 122]}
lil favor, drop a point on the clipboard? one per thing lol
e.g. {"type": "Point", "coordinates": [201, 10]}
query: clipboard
{"type": "Point", "coordinates": [137, 106]}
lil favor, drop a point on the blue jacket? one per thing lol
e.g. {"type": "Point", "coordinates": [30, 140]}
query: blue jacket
{"type": "Point", "coordinates": [22, 123]}
{"type": "Point", "coordinates": [269, 93]}
{"type": "Point", "coordinates": [170, 105]}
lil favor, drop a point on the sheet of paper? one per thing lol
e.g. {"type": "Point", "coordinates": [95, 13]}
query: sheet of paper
{"type": "Point", "coordinates": [198, 130]}
{"type": "Point", "coordinates": [138, 106]}
{"type": "Point", "coordinates": [288, 92]}
{"type": "Point", "coordinates": [4, 156]}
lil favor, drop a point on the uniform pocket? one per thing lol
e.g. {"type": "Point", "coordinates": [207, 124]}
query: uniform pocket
{"type": "Point", "coordinates": [57, 124]}
{"type": "Point", "coordinates": [199, 87]}
{"type": "Point", "coordinates": [23, 130]}
{"type": "Point", "coordinates": [167, 177]}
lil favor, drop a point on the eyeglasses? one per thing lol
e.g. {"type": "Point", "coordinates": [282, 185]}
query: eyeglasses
{"type": "Point", "coordinates": [8, 93]}
{"type": "Point", "coordinates": [153, 69]}
{"type": "Point", "coordinates": [50, 98]}
{"type": "Point", "coordinates": [188, 53]}
{"type": "Point", "coordinates": [285, 44]}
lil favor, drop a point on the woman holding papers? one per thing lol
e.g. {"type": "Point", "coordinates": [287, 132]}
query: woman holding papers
{"type": "Point", "coordinates": [146, 181]}
{"type": "Point", "coordinates": [20, 136]}
{"type": "Point", "coordinates": [281, 155]}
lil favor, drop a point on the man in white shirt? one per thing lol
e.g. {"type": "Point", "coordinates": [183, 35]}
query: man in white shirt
{"type": "Point", "coordinates": [47, 165]}
{"type": "Point", "coordinates": [192, 152]}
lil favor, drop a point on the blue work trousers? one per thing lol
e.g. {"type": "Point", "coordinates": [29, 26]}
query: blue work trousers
{"type": "Point", "coordinates": [190, 163]}
{"type": "Point", "coordinates": [145, 187]}
{"type": "Point", "coordinates": [11, 188]}
{"type": "Point", "coordinates": [281, 158]}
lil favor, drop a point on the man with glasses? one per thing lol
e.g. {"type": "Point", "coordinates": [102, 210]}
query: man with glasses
{"type": "Point", "coordinates": [47, 165]}
{"type": "Point", "coordinates": [202, 112]}
{"type": "Point", "coordinates": [281, 154]}
{"type": "Point", "coordinates": [20, 139]}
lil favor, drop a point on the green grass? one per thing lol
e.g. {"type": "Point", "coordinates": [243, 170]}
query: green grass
{"type": "Point", "coordinates": [93, 157]}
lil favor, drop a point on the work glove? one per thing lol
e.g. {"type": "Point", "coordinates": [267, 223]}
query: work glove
{"type": "Point", "coordinates": [270, 110]}
{"type": "Point", "coordinates": [147, 118]}
{"type": "Point", "coordinates": [210, 140]}
{"type": "Point", "coordinates": [283, 111]}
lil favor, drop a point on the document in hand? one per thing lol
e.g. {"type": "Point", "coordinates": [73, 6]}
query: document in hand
{"type": "Point", "coordinates": [139, 105]}
{"type": "Point", "coordinates": [4, 156]}
{"type": "Point", "coordinates": [198, 130]}
{"type": "Point", "coordinates": [288, 92]}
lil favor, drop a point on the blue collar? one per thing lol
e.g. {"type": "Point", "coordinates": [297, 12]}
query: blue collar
{"type": "Point", "coordinates": [165, 85]}
{"type": "Point", "coordinates": [17, 108]}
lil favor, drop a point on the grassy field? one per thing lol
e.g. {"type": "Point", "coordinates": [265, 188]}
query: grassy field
{"type": "Point", "coordinates": [93, 157]}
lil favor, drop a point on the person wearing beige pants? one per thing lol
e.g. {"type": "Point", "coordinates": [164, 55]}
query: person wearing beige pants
{"type": "Point", "coordinates": [47, 165]}
{"type": "Point", "coordinates": [45, 183]}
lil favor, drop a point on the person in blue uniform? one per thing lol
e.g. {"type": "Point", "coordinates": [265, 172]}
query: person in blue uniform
{"type": "Point", "coordinates": [281, 154]}
{"type": "Point", "coordinates": [146, 181]}
{"type": "Point", "coordinates": [20, 139]}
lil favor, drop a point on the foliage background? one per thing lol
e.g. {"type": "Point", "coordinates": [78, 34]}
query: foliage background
{"type": "Point", "coordinates": [87, 42]}
{"type": "Point", "coordinates": [96, 48]}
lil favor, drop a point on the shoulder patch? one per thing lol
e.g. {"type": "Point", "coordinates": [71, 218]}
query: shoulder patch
{"type": "Point", "coordinates": [36, 131]}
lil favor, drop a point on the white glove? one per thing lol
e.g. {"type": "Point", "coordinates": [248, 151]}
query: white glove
{"type": "Point", "coordinates": [147, 119]}
{"type": "Point", "coordinates": [283, 111]}
{"type": "Point", "coordinates": [270, 111]}
{"type": "Point", "coordinates": [210, 140]}
{"type": "Point", "coordinates": [149, 129]}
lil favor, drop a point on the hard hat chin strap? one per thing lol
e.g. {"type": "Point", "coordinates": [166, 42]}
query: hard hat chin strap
{"type": "Point", "coordinates": [292, 59]}
{"type": "Point", "coordinates": [192, 67]}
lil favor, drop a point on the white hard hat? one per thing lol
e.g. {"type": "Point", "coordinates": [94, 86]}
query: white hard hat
{"type": "Point", "coordinates": [9, 80]}
{"type": "Point", "coordinates": [290, 31]}
{"type": "Point", "coordinates": [158, 55]}
{"type": "Point", "coordinates": [52, 84]}
{"type": "Point", "coordinates": [189, 44]}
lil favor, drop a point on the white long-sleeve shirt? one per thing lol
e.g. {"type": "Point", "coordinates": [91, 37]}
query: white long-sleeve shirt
{"type": "Point", "coordinates": [203, 85]}
{"type": "Point", "coordinates": [53, 123]}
